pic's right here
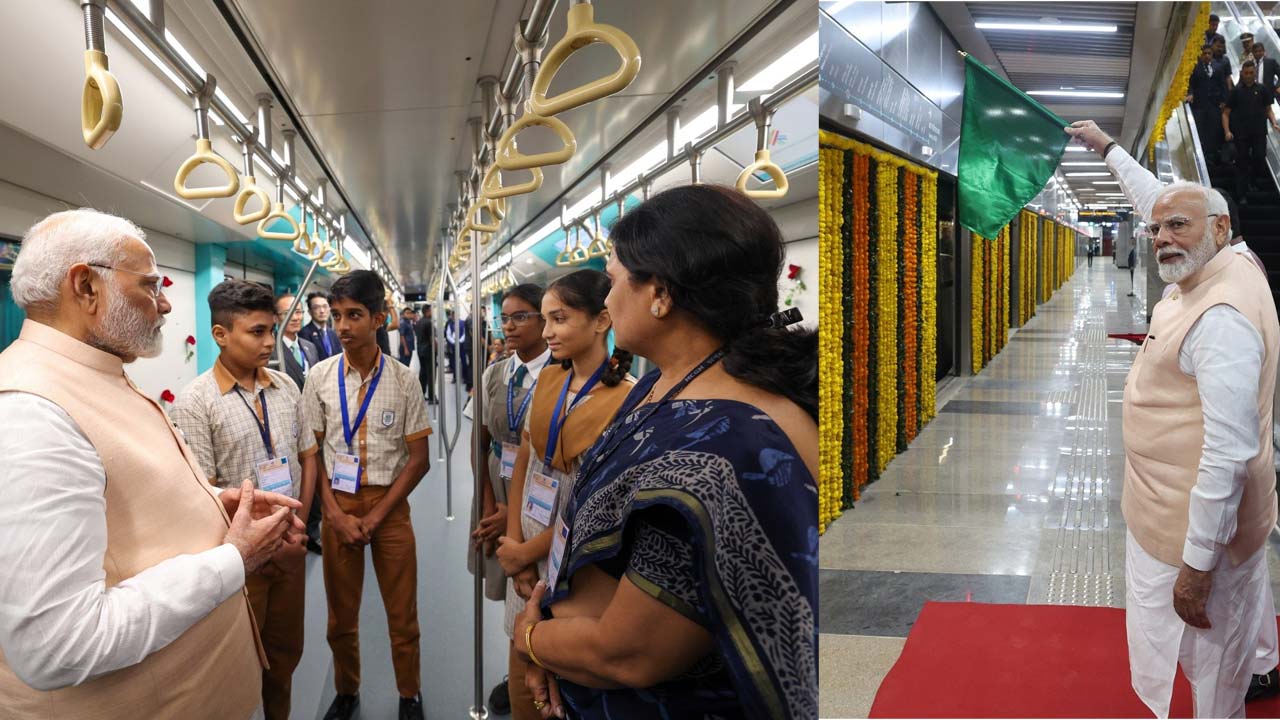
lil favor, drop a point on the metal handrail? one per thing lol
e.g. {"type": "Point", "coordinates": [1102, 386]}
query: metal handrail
{"type": "Point", "coordinates": [770, 103]}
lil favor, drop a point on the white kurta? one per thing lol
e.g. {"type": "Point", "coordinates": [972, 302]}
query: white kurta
{"type": "Point", "coordinates": [1224, 353]}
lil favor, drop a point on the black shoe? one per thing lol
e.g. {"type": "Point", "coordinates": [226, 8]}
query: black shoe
{"type": "Point", "coordinates": [1262, 686]}
{"type": "Point", "coordinates": [411, 708]}
{"type": "Point", "coordinates": [314, 546]}
{"type": "Point", "coordinates": [343, 707]}
{"type": "Point", "coordinates": [500, 699]}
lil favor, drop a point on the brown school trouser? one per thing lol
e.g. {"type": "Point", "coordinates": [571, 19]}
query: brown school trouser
{"type": "Point", "coordinates": [278, 604]}
{"type": "Point", "coordinates": [396, 564]}
{"type": "Point", "coordinates": [521, 699]}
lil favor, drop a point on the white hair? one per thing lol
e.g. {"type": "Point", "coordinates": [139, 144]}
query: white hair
{"type": "Point", "coordinates": [61, 240]}
{"type": "Point", "coordinates": [1214, 202]}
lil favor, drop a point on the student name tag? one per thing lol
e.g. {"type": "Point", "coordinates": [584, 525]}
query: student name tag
{"type": "Point", "coordinates": [508, 466]}
{"type": "Point", "coordinates": [556, 556]}
{"type": "Point", "coordinates": [543, 488]}
{"type": "Point", "coordinates": [274, 476]}
{"type": "Point", "coordinates": [346, 473]}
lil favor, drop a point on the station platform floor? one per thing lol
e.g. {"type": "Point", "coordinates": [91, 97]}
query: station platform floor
{"type": "Point", "coordinates": [445, 600]}
{"type": "Point", "coordinates": [1011, 495]}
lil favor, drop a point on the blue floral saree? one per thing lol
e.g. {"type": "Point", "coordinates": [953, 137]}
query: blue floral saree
{"type": "Point", "coordinates": [706, 506]}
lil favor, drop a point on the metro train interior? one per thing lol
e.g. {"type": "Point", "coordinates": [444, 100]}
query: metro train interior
{"type": "Point", "coordinates": [290, 142]}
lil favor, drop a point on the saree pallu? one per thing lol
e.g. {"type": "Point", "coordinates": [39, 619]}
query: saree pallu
{"type": "Point", "coordinates": [706, 506]}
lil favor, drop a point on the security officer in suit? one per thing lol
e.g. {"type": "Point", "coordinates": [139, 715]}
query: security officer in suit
{"type": "Point", "coordinates": [320, 330]}
{"type": "Point", "coordinates": [1268, 70]}
{"type": "Point", "coordinates": [299, 354]}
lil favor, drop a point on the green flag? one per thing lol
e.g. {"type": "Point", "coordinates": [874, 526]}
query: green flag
{"type": "Point", "coordinates": [1010, 146]}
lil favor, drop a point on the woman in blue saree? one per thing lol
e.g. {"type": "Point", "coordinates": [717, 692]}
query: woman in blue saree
{"type": "Point", "coordinates": [682, 582]}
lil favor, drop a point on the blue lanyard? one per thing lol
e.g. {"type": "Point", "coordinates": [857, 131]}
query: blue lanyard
{"type": "Point", "coordinates": [558, 421]}
{"type": "Point", "coordinates": [264, 426]}
{"type": "Point", "coordinates": [605, 448]}
{"type": "Point", "coordinates": [349, 430]}
{"type": "Point", "coordinates": [516, 419]}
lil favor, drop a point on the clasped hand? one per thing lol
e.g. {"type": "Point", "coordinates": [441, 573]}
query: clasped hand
{"type": "Point", "coordinates": [262, 523]}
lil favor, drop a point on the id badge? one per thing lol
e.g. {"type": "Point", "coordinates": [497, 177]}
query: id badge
{"type": "Point", "coordinates": [346, 473]}
{"type": "Point", "coordinates": [556, 557]}
{"type": "Point", "coordinates": [274, 476]}
{"type": "Point", "coordinates": [508, 466]}
{"type": "Point", "coordinates": [541, 505]}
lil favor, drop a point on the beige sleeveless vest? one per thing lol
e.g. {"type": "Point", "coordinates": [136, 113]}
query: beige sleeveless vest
{"type": "Point", "coordinates": [1164, 426]}
{"type": "Point", "coordinates": [158, 505]}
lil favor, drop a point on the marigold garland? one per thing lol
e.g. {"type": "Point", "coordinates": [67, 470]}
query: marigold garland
{"type": "Point", "coordinates": [878, 288]}
{"type": "Point", "coordinates": [989, 297]}
{"type": "Point", "coordinates": [1176, 91]}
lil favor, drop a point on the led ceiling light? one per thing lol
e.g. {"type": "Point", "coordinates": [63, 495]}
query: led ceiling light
{"type": "Point", "coordinates": [1088, 174]}
{"type": "Point", "coordinates": [1053, 26]}
{"type": "Point", "coordinates": [1076, 93]}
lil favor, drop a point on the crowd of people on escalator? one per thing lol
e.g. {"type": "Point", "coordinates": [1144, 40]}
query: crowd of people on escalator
{"type": "Point", "coordinates": [654, 540]}
{"type": "Point", "coordinates": [1232, 118]}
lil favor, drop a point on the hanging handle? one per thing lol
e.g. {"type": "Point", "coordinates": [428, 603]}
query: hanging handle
{"type": "Point", "coordinates": [101, 107]}
{"type": "Point", "coordinates": [474, 222]}
{"type": "Point", "coordinates": [762, 162]}
{"type": "Point", "coordinates": [583, 31]}
{"type": "Point", "coordinates": [599, 246]}
{"type": "Point", "coordinates": [204, 153]}
{"type": "Point", "coordinates": [492, 188]}
{"type": "Point", "coordinates": [278, 213]}
{"type": "Point", "coordinates": [509, 158]}
{"type": "Point", "coordinates": [250, 189]}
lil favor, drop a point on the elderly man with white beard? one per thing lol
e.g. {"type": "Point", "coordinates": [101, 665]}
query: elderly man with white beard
{"type": "Point", "coordinates": [1199, 492]}
{"type": "Point", "coordinates": [122, 590]}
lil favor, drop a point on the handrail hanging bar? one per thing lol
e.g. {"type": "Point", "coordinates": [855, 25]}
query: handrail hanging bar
{"type": "Point", "coordinates": [673, 132]}
{"type": "Point", "coordinates": [249, 189]}
{"type": "Point", "coordinates": [101, 106]}
{"type": "Point", "coordinates": [583, 31]}
{"type": "Point", "coordinates": [204, 153]}
{"type": "Point", "coordinates": [724, 92]}
{"type": "Point", "coordinates": [694, 155]}
{"type": "Point", "coordinates": [137, 21]}
{"type": "Point", "coordinates": [763, 119]}
{"type": "Point", "coordinates": [508, 158]}
{"type": "Point", "coordinates": [599, 247]}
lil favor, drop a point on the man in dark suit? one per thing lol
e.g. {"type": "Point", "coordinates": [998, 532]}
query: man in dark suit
{"type": "Point", "coordinates": [1268, 70]}
{"type": "Point", "coordinates": [426, 337]}
{"type": "Point", "coordinates": [1207, 91]}
{"type": "Point", "coordinates": [1245, 119]}
{"type": "Point", "coordinates": [299, 354]}
{"type": "Point", "coordinates": [1211, 34]}
{"type": "Point", "coordinates": [320, 330]}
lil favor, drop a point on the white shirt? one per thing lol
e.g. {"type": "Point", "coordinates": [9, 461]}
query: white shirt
{"type": "Point", "coordinates": [530, 377]}
{"type": "Point", "coordinates": [59, 623]}
{"type": "Point", "coordinates": [1137, 183]}
{"type": "Point", "coordinates": [1224, 353]}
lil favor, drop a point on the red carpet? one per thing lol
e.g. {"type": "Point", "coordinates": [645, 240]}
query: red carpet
{"type": "Point", "coordinates": [976, 660]}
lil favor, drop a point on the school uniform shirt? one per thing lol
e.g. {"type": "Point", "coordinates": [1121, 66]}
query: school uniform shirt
{"type": "Point", "coordinates": [219, 419]}
{"type": "Point", "coordinates": [397, 416]}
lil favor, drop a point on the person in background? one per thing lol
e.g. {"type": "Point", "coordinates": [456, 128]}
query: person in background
{"type": "Point", "coordinates": [1090, 254]}
{"type": "Point", "coordinates": [497, 351]}
{"type": "Point", "coordinates": [508, 388]}
{"type": "Point", "coordinates": [371, 425]}
{"type": "Point", "coordinates": [451, 343]}
{"type": "Point", "coordinates": [1246, 45]}
{"type": "Point", "coordinates": [1211, 35]}
{"type": "Point", "coordinates": [320, 330]}
{"type": "Point", "coordinates": [574, 401]}
{"type": "Point", "coordinates": [426, 343]}
{"type": "Point", "coordinates": [244, 421]}
{"type": "Point", "coordinates": [299, 354]}
{"type": "Point", "coordinates": [1268, 70]}
{"type": "Point", "coordinates": [1245, 119]}
{"type": "Point", "coordinates": [1207, 92]}
{"type": "Point", "coordinates": [465, 338]}
{"type": "Point", "coordinates": [384, 330]}
{"type": "Point", "coordinates": [408, 336]}
{"type": "Point", "coordinates": [1222, 64]}
{"type": "Point", "coordinates": [684, 576]}
{"type": "Point", "coordinates": [121, 594]}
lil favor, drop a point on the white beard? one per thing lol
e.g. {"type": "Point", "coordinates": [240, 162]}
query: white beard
{"type": "Point", "coordinates": [1191, 261]}
{"type": "Point", "coordinates": [124, 331]}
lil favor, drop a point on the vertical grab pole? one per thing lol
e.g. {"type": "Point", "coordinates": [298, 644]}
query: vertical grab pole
{"type": "Point", "coordinates": [478, 455]}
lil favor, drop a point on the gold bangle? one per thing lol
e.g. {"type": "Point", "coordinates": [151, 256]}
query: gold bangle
{"type": "Point", "coordinates": [528, 643]}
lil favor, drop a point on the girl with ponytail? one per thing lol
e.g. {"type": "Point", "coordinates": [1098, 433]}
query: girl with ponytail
{"type": "Point", "coordinates": [574, 400]}
{"type": "Point", "coordinates": [687, 581]}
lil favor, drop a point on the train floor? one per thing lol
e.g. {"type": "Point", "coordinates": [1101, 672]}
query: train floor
{"type": "Point", "coordinates": [1011, 495]}
{"type": "Point", "coordinates": [445, 599]}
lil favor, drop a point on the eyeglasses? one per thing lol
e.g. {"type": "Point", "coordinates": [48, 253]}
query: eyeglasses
{"type": "Point", "coordinates": [519, 318]}
{"type": "Point", "coordinates": [154, 284]}
{"type": "Point", "coordinates": [1177, 226]}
